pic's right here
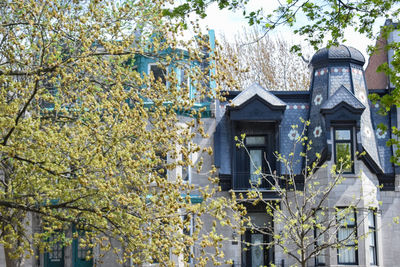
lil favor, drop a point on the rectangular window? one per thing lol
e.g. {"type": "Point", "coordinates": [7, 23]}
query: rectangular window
{"type": "Point", "coordinates": [161, 168]}
{"type": "Point", "coordinates": [188, 230]}
{"type": "Point", "coordinates": [255, 241]}
{"type": "Point", "coordinates": [185, 82]}
{"type": "Point", "coordinates": [343, 143]}
{"type": "Point", "coordinates": [255, 146]}
{"type": "Point", "coordinates": [372, 237]}
{"type": "Point", "coordinates": [319, 238]}
{"type": "Point", "coordinates": [159, 73]}
{"type": "Point", "coordinates": [347, 234]}
{"type": "Point", "coordinates": [187, 169]}
{"type": "Point", "coordinates": [256, 156]}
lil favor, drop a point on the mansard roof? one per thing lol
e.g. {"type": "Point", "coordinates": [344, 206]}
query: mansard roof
{"type": "Point", "coordinates": [339, 53]}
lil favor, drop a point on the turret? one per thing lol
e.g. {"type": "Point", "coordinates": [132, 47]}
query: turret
{"type": "Point", "coordinates": [339, 101]}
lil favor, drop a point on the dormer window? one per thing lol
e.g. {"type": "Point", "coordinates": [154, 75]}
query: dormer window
{"type": "Point", "coordinates": [256, 147]}
{"type": "Point", "coordinates": [343, 144]}
{"type": "Point", "coordinates": [252, 162]}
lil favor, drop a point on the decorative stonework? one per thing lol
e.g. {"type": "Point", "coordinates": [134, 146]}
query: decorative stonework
{"type": "Point", "coordinates": [293, 134]}
{"type": "Point", "coordinates": [357, 71]}
{"type": "Point", "coordinates": [339, 69]}
{"type": "Point", "coordinates": [318, 99]}
{"type": "Point", "coordinates": [321, 72]}
{"type": "Point", "coordinates": [297, 107]}
{"type": "Point", "coordinates": [367, 132]}
{"type": "Point", "coordinates": [362, 97]}
{"type": "Point", "coordinates": [317, 131]}
{"type": "Point", "coordinates": [381, 134]}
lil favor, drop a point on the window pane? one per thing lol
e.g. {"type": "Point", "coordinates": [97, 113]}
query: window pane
{"type": "Point", "coordinates": [255, 140]}
{"type": "Point", "coordinates": [184, 77]}
{"type": "Point", "coordinates": [347, 255]}
{"type": "Point", "coordinates": [343, 156]}
{"type": "Point", "coordinates": [255, 164]}
{"type": "Point", "coordinates": [83, 251]}
{"type": "Point", "coordinates": [346, 218]}
{"type": "Point", "coordinates": [319, 216]}
{"type": "Point", "coordinates": [342, 135]}
{"type": "Point", "coordinates": [185, 173]}
{"type": "Point", "coordinates": [56, 251]}
{"type": "Point", "coordinates": [372, 255]}
{"type": "Point", "coordinates": [159, 73]}
{"type": "Point", "coordinates": [371, 238]}
{"type": "Point", "coordinates": [346, 235]}
{"type": "Point", "coordinates": [321, 259]}
{"type": "Point", "coordinates": [259, 219]}
{"type": "Point", "coordinates": [257, 251]}
{"type": "Point", "coordinates": [371, 219]}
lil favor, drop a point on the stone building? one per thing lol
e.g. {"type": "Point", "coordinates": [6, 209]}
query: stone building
{"type": "Point", "coordinates": [342, 119]}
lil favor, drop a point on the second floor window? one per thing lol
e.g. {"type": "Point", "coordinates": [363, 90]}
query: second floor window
{"type": "Point", "coordinates": [158, 73]}
{"type": "Point", "coordinates": [256, 148]}
{"type": "Point", "coordinates": [343, 145]}
{"type": "Point", "coordinates": [253, 165]}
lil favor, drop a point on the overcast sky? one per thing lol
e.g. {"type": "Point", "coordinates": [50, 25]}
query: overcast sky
{"type": "Point", "coordinates": [230, 22]}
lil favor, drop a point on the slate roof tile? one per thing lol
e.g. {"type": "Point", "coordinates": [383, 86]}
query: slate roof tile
{"type": "Point", "coordinates": [256, 89]}
{"type": "Point", "coordinates": [342, 95]}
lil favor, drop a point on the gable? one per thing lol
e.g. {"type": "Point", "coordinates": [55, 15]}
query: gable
{"type": "Point", "coordinates": [342, 98]}
{"type": "Point", "coordinates": [257, 109]}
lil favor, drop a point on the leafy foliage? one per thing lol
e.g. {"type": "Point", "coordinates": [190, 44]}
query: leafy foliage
{"type": "Point", "coordinates": [327, 20]}
{"type": "Point", "coordinates": [305, 221]}
{"type": "Point", "coordinates": [86, 138]}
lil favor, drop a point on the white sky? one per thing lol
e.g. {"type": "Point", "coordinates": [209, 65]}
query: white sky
{"type": "Point", "coordinates": [230, 22]}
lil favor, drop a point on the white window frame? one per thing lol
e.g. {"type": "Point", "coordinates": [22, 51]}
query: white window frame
{"type": "Point", "coordinates": [347, 247]}
{"type": "Point", "coordinates": [372, 234]}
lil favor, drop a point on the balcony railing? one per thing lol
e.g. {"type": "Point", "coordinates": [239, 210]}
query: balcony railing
{"type": "Point", "coordinates": [244, 181]}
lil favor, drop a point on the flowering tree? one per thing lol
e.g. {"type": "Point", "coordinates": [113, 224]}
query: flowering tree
{"type": "Point", "coordinates": [86, 138]}
{"type": "Point", "coordinates": [305, 220]}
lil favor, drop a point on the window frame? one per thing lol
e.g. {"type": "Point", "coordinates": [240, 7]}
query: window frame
{"type": "Point", "coordinates": [338, 141]}
{"type": "Point", "coordinates": [354, 231]}
{"type": "Point", "coordinates": [184, 77]}
{"type": "Point", "coordinates": [372, 231]}
{"type": "Point", "coordinates": [239, 156]}
{"type": "Point", "coordinates": [263, 147]}
{"type": "Point", "coordinates": [190, 249]}
{"type": "Point", "coordinates": [316, 233]}
{"type": "Point", "coordinates": [187, 168]}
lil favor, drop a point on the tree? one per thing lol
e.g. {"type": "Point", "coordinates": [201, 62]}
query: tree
{"type": "Point", "coordinates": [86, 139]}
{"type": "Point", "coordinates": [305, 219]}
{"type": "Point", "coordinates": [268, 62]}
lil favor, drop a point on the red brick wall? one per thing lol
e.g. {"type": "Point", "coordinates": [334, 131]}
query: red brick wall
{"type": "Point", "coordinates": [377, 80]}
